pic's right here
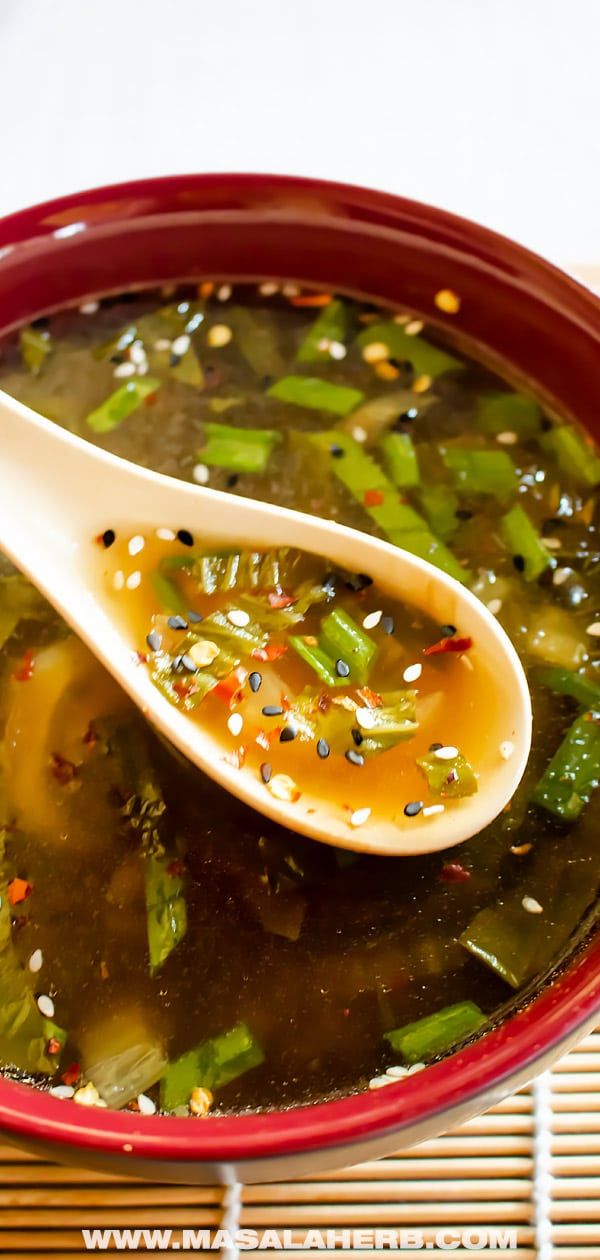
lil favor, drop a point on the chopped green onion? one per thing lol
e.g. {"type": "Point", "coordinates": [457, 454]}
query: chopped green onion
{"type": "Point", "coordinates": [504, 938]}
{"type": "Point", "coordinates": [330, 325]}
{"type": "Point", "coordinates": [436, 1033]}
{"type": "Point", "coordinates": [377, 414]}
{"type": "Point", "coordinates": [440, 505]}
{"type": "Point", "coordinates": [311, 391]}
{"type": "Point", "coordinates": [574, 772]}
{"type": "Point", "coordinates": [400, 458]}
{"type": "Point", "coordinates": [450, 778]}
{"type": "Point", "coordinates": [574, 454]}
{"type": "Point", "coordinates": [211, 1065]}
{"type": "Point", "coordinates": [256, 337]}
{"type": "Point", "coordinates": [121, 404]}
{"type": "Point", "coordinates": [322, 664]}
{"type": "Point", "coordinates": [35, 346]}
{"type": "Point", "coordinates": [169, 597]}
{"type": "Point", "coordinates": [343, 639]}
{"type": "Point", "coordinates": [166, 909]}
{"type": "Point", "coordinates": [509, 413]}
{"type": "Point", "coordinates": [482, 472]}
{"type": "Point", "coordinates": [568, 682]}
{"type": "Point", "coordinates": [239, 450]}
{"type": "Point", "coordinates": [522, 539]}
{"type": "Point", "coordinates": [426, 359]}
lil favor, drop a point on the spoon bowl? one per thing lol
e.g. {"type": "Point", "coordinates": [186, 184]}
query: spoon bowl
{"type": "Point", "coordinates": [60, 493]}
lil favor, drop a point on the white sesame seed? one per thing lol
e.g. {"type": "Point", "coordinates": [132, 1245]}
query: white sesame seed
{"type": "Point", "coordinates": [447, 753]}
{"type": "Point", "coordinates": [268, 289]}
{"type": "Point", "coordinates": [401, 318]}
{"type": "Point", "coordinates": [235, 723]}
{"type": "Point", "coordinates": [430, 810]}
{"type": "Point", "coordinates": [224, 292]}
{"type": "Point", "coordinates": [553, 544]}
{"type": "Point", "coordinates": [165, 535]}
{"type": "Point", "coordinates": [218, 336]}
{"type": "Point", "coordinates": [507, 438]}
{"type": "Point", "coordinates": [397, 1072]}
{"type": "Point", "coordinates": [124, 369]}
{"type": "Point", "coordinates": [137, 354]}
{"type": "Point", "coordinates": [145, 1104]}
{"type": "Point", "coordinates": [414, 327]}
{"type": "Point", "coordinates": [366, 719]}
{"type": "Point", "coordinates": [360, 816]}
{"type": "Point", "coordinates": [375, 352]}
{"type": "Point", "coordinates": [494, 606]}
{"type": "Point", "coordinates": [466, 661]}
{"type": "Point", "coordinates": [291, 290]}
{"type": "Point", "coordinates": [238, 617]}
{"type": "Point", "coordinates": [45, 1005]}
{"type": "Point", "coordinates": [594, 629]}
{"type": "Point", "coordinates": [532, 906]}
{"type": "Point", "coordinates": [560, 575]}
{"type": "Point", "coordinates": [163, 343]}
{"type": "Point", "coordinates": [372, 619]}
{"type": "Point", "coordinates": [507, 749]}
{"type": "Point", "coordinates": [119, 580]}
{"type": "Point", "coordinates": [201, 474]}
{"type": "Point", "coordinates": [89, 308]}
{"type": "Point", "coordinates": [36, 961]}
{"type": "Point", "coordinates": [337, 350]}
{"type": "Point", "coordinates": [62, 1091]}
{"type": "Point", "coordinates": [133, 581]}
{"type": "Point", "coordinates": [359, 434]}
{"type": "Point", "coordinates": [141, 370]}
{"type": "Point", "coordinates": [283, 788]}
{"type": "Point", "coordinates": [181, 345]}
{"type": "Point", "coordinates": [379, 1082]}
{"type": "Point", "coordinates": [412, 672]}
{"type": "Point", "coordinates": [415, 1067]}
{"type": "Point", "coordinates": [135, 545]}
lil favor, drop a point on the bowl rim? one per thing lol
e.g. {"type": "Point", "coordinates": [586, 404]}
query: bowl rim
{"type": "Point", "coordinates": [565, 1007]}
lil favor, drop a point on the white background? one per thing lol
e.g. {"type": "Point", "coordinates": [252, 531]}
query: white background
{"type": "Point", "coordinates": [488, 107]}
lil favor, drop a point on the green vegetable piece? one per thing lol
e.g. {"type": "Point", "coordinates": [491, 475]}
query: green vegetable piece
{"type": "Point", "coordinates": [125, 400]}
{"type": "Point", "coordinates": [522, 539]}
{"type": "Point", "coordinates": [127, 1072]}
{"type": "Point", "coordinates": [568, 682]}
{"type": "Point", "coordinates": [426, 359]}
{"type": "Point", "coordinates": [574, 772]}
{"type": "Point", "coordinates": [482, 472]}
{"type": "Point", "coordinates": [342, 638]}
{"type": "Point", "coordinates": [576, 457]}
{"type": "Point", "coordinates": [440, 505]}
{"type": "Point", "coordinates": [19, 601]}
{"type": "Point", "coordinates": [401, 524]}
{"type": "Point", "coordinates": [451, 779]}
{"type": "Point", "coordinates": [121, 341]}
{"type": "Point", "coordinates": [188, 369]}
{"type": "Point", "coordinates": [509, 413]}
{"type": "Point", "coordinates": [169, 597]}
{"type": "Point", "coordinates": [35, 346]}
{"type": "Point", "coordinates": [436, 1033]}
{"type": "Point", "coordinates": [239, 450]}
{"type": "Point", "coordinates": [322, 664]}
{"type": "Point", "coordinates": [312, 392]}
{"type": "Point", "coordinates": [211, 1065]}
{"type": "Point", "coordinates": [256, 336]}
{"type": "Point", "coordinates": [166, 909]}
{"type": "Point", "coordinates": [400, 458]}
{"type": "Point", "coordinates": [394, 720]}
{"type": "Point", "coordinates": [330, 325]}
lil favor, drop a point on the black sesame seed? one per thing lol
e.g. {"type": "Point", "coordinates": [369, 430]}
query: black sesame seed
{"type": "Point", "coordinates": [413, 808]}
{"type": "Point", "coordinates": [323, 749]}
{"type": "Point", "coordinates": [447, 631]}
{"type": "Point", "coordinates": [255, 680]}
{"type": "Point", "coordinates": [41, 322]}
{"type": "Point", "coordinates": [342, 669]}
{"type": "Point", "coordinates": [388, 625]}
{"type": "Point", "coordinates": [174, 360]}
{"type": "Point", "coordinates": [193, 617]}
{"type": "Point", "coordinates": [154, 640]}
{"type": "Point", "coordinates": [108, 537]}
{"type": "Point", "coordinates": [463, 514]}
{"type": "Point", "coordinates": [519, 563]}
{"type": "Point", "coordinates": [189, 664]}
{"type": "Point", "coordinates": [266, 771]}
{"type": "Point", "coordinates": [177, 664]}
{"type": "Point", "coordinates": [338, 452]}
{"type": "Point", "coordinates": [434, 747]}
{"type": "Point", "coordinates": [357, 736]}
{"type": "Point", "coordinates": [185, 537]}
{"type": "Point", "coordinates": [355, 758]}
{"type": "Point", "coordinates": [177, 623]}
{"type": "Point", "coordinates": [232, 480]}
{"type": "Point", "coordinates": [359, 581]}
{"type": "Point", "coordinates": [272, 710]}
{"type": "Point", "coordinates": [116, 358]}
{"type": "Point", "coordinates": [267, 381]}
{"type": "Point", "coordinates": [287, 735]}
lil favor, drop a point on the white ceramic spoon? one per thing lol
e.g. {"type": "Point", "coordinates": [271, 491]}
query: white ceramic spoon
{"type": "Point", "coordinates": [57, 493]}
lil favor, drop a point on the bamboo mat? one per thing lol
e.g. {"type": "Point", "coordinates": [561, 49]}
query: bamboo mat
{"type": "Point", "coordinates": [532, 1163]}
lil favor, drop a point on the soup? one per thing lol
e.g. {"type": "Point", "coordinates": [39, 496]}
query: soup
{"type": "Point", "coordinates": [161, 945]}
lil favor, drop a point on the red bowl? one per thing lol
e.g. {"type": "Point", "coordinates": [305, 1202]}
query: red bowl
{"type": "Point", "coordinates": [514, 307]}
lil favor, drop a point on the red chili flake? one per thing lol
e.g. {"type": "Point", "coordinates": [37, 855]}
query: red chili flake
{"type": "Point", "coordinates": [278, 599]}
{"type": "Point", "coordinates": [54, 1046]}
{"type": "Point", "coordinates": [454, 873]}
{"type": "Point", "coordinates": [285, 702]}
{"type": "Point", "coordinates": [237, 757]}
{"type": "Point", "coordinates": [311, 299]}
{"type": "Point", "coordinates": [263, 740]}
{"type": "Point", "coordinates": [19, 890]}
{"type": "Point", "coordinates": [271, 652]}
{"type": "Point", "coordinates": [140, 658]}
{"type": "Point", "coordinates": [228, 689]}
{"type": "Point", "coordinates": [71, 1074]}
{"type": "Point", "coordinates": [133, 1105]}
{"type": "Point", "coordinates": [324, 703]}
{"type": "Point", "coordinates": [450, 644]}
{"type": "Point", "coordinates": [373, 498]}
{"type": "Point", "coordinates": [62, 770]}
{"type": "Point", "coordinates": [151, 399]}
{"type": "Point", "coordinates": [90, 738]}
{"type": "Point", "coordinates": [24, 670]}
{"type": "Point", "coordinates": [183, 690]}
{"type": "Point", "coordinates": [346, 1011]}
{"type": "Point", "coordinates": [371, 699]}
{"type": "Point", "coordinates": [175, 867]}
